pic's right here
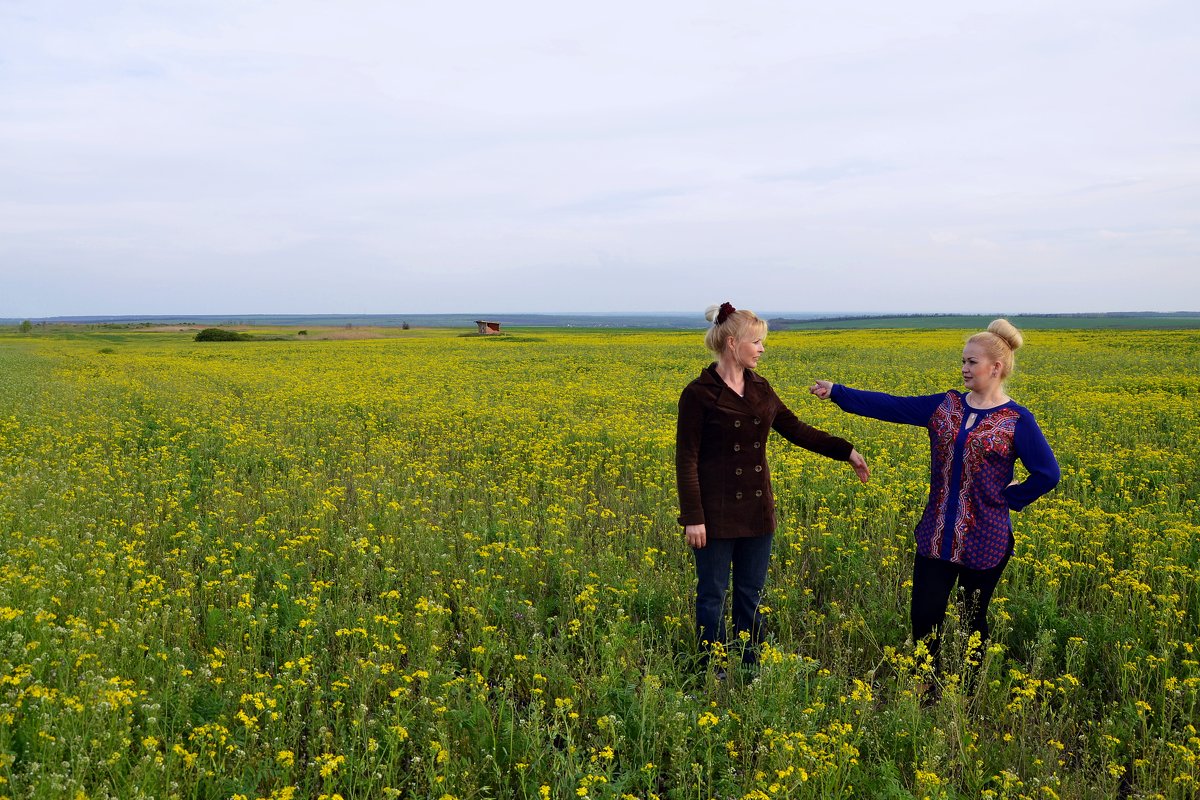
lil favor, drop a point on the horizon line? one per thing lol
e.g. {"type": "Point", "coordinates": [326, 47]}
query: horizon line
{"type": "Point", "coordinates": [700, 317]}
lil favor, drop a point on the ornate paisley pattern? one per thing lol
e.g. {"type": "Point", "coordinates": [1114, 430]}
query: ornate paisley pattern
{"type": "Point", "coordinates": [980, 529]}
{"type": "Point", "coordinates": [943, 428]}
{"type": "Point", "coordinates": [988, 457]}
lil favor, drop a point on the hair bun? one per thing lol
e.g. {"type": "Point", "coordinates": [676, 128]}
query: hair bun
{"type": "Point", "coordinates": [1007, 331]}
{"type": "Point", "coordinates": [712, 311]}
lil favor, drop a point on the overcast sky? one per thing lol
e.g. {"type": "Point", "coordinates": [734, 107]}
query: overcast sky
{"type": "Point", "coordinates": [233, 156]}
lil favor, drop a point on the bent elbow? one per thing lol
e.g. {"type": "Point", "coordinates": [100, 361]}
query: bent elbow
{"type": "Point", "coordinates": [1053, 475]}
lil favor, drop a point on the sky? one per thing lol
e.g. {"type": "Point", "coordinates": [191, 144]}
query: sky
{"type": "Point", "coordinates": [245, 156]}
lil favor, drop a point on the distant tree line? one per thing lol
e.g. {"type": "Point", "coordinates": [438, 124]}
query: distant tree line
{"type": "Point", "coordinates": [221, 335]}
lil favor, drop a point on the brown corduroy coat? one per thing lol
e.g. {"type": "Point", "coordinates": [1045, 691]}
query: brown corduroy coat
{"type": "Point", "coordinates": [721, 453]}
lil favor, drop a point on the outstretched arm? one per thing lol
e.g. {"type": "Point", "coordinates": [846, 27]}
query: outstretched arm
{"type": "Point", "coordinates": [879, 405]}
{"type": "Point", "coordinates": [810, 438]}
{"type": "Point", "coordinates": [804, 435]}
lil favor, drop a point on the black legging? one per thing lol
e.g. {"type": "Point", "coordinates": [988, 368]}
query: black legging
{"type": "Point", "coordinates": [933, 580]}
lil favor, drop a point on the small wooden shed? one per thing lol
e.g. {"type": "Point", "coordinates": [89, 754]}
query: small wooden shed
{"type": "Point", "coordinates": [486, 327]}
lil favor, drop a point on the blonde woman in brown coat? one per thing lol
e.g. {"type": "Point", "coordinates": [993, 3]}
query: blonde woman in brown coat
{"type": "Point", "coordinates": [727, 507]}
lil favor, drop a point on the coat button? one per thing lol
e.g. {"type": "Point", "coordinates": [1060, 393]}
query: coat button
{"type": "Point", "coordinates": [737, 423]}
{"type": "Point", "coordinates": [737, 447]}
{"type": "Point", "coordinates": [758, 493]}
{"type": "Point", "coordinates": [737, 471]}
{"type": "Point", "coordinates": [757, 445]}
{"type": "Point", "coordinates": [758, 467]}
{"type": "Point", "coordinates": [738, 496]}
{"type": "Point", "coordinates": [757, 420]}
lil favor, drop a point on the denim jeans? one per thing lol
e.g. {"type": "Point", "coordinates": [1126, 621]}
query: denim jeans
{"type": "Point", "coordinates": [747, 559]}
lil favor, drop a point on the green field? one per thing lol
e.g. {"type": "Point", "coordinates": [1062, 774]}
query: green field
{"type": "Point", "coordinates": [445, 566]}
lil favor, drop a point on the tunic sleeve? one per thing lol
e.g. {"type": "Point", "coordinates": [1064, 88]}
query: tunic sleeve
{"type": "Point", "coordinates": [1037, 457]}
{"type": "Point", "coordinates": [688, 430]}
{"type": "Point", "coordinates": [886, 407]}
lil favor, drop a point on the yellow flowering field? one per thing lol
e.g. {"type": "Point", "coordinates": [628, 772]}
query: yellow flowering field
{"type": "Point", "coordinates": [439, 566]}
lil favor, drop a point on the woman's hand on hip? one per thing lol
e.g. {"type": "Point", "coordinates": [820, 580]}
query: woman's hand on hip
{"type": "Point", "coordinates": [860, 466]}
{"type": "Point", "coordinates": [696, 536]}
{"type": "Point", "coordinates": [823, 389]}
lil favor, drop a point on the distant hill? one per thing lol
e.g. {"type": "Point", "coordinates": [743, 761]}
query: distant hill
{"type": "Point", "coordinates": [562, 320]}
{"type": "Point", "coordinates": [1130, 320]}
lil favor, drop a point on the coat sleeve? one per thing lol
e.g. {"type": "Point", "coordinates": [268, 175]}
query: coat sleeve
{"type": "Point", "coordinates": [804, 435]}
{"type": "Point", "coordinates": [886, 407]}
{"type": "Point", "coordinates": [1035, 453]}
{"type": "Point", "coordinates": [688, 430]}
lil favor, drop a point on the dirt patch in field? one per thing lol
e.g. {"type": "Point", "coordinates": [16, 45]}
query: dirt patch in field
{"type": "Point", "coordinates": [356, 333]}
{"type": "Point", "coordinates": [286, 333]}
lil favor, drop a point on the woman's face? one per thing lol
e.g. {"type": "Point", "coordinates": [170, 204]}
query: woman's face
{"type": "Point", "coordinates": [979, 372]}
{"type": "Point", "coordinates": [748, 351]}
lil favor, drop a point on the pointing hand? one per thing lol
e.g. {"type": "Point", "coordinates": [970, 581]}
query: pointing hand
{"type": "Point", "coordinates": [822, 389]}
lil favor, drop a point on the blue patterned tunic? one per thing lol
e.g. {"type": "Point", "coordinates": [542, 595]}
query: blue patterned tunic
{"type": "Point", "coordinates": [973, 452]}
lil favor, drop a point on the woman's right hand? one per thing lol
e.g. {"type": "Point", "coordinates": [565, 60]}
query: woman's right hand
{"type": "Point", "coordinates": [860, 466]}
{"type": "Point", "coordinates": [696, 536]}
{"type": "Point", "coordinates": [822, 389]}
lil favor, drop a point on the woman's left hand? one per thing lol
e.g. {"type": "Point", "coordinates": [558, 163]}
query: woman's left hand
{"type": "Point", "coordinates": [860, 466]}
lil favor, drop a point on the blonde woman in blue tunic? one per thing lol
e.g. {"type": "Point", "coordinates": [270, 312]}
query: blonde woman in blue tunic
{"type": "Point", "coordinates": [976, 437]}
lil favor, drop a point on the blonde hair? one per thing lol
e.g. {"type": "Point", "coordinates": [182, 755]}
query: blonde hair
{"type": "Point", "coordinates": [999, 341]}
{"type": "Point", "coordinates": [736, 325]}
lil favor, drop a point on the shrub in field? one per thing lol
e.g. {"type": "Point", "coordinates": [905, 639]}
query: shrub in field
{"type": "Point", "coordinates": [221, 335]}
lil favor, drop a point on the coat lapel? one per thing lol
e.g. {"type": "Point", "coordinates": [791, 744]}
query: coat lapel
{"type": "Point", "coordinates": [729, 400]}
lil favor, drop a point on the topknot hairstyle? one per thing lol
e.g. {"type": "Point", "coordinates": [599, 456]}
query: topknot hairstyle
{"type": "Point", "coordinates": [999, 341]}
{"type": "Point", "coordinates": [731, 322]}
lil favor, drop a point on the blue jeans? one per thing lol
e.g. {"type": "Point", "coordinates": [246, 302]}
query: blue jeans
{"type": "Point", "coordinates": [747, 559]}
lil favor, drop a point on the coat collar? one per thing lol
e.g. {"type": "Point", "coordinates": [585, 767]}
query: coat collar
{"type": "Point", "coordinates": [726, 397]}
{"type": "Point", "coordinates": [709, 376]}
